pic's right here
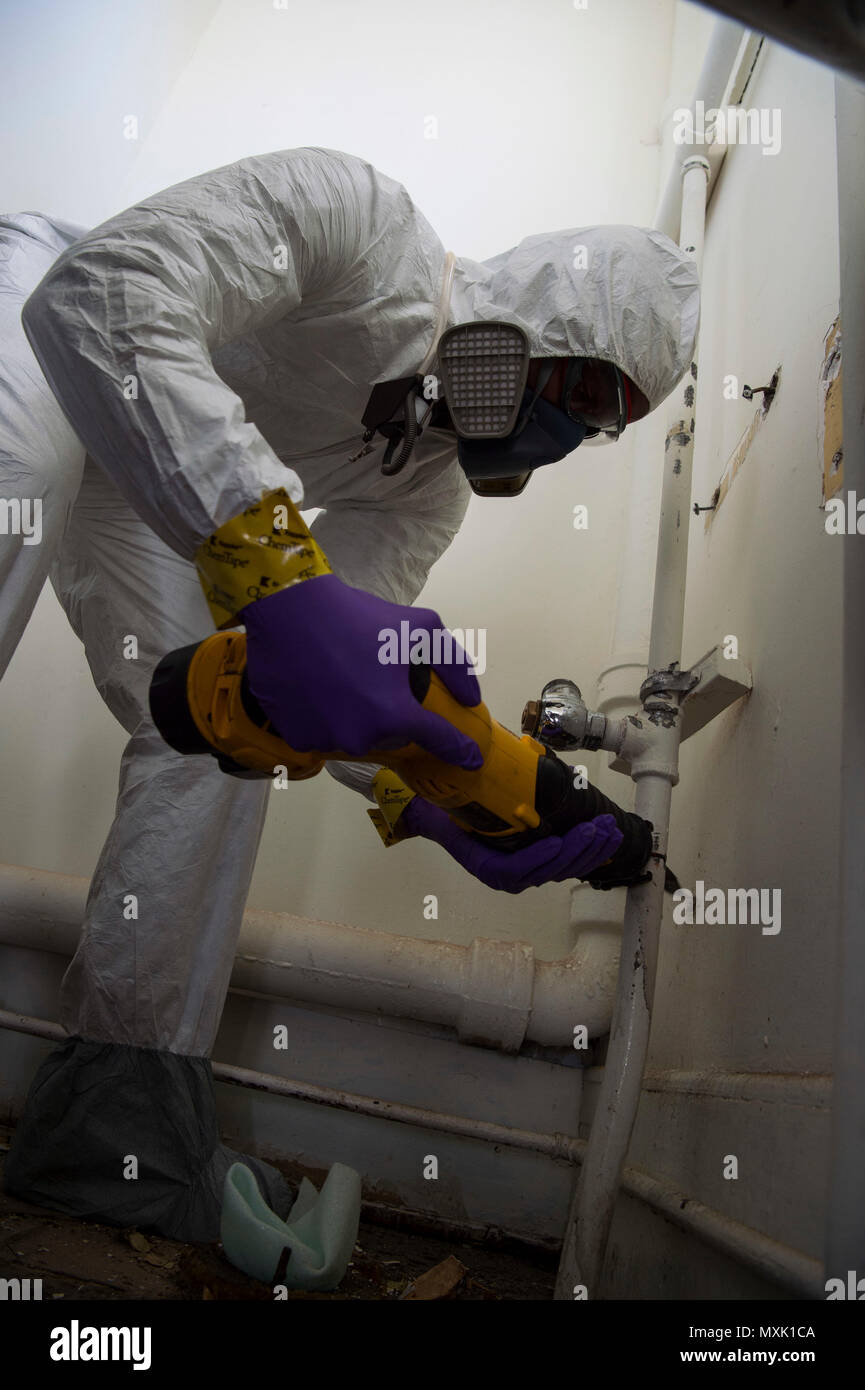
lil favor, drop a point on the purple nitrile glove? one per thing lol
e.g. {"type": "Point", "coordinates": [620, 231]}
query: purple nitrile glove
{"type": "Point", "coordinates": [577, 853]}
{"type": "Point", "coordinates": [312, 657]}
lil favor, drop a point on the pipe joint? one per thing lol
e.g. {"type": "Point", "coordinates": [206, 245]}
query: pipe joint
{"type": "Point", "coordinates": [652, 767]}
{"type": "Point", "coordinates": [630, 738]}
{"type": "Point", "coordinates": [660, 757]}
{"type": "Point", "coordinates": [695, 161]}
{"type": "Point", "coordinates": [496, 1001]}
{"type": "Point", "coordinates": [561, 719]}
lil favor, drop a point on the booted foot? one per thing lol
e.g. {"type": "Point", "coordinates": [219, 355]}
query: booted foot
{"type": "Point", "coordinates": [129, 1136]}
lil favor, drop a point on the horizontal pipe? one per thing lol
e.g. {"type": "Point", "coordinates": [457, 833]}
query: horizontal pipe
{"type": "Point", "coordinates": [769, 1259]}
{"type": "Point", "coordinates": [773, 1261]}
{"type": "Point", "coordinates": [493, 993]}
{"type": "Point", "coordinates": [553, 1145]}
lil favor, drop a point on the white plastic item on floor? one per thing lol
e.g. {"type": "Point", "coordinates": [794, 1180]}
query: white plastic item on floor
{"type": "Point", "coordinates": [319, 1233]}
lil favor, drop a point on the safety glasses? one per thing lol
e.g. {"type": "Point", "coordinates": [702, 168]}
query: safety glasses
{"type": "Point", "coordinates": [595, 393]}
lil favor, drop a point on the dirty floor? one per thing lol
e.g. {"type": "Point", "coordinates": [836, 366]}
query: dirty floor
{"type": "Point", "coordinates": [85, 1260]}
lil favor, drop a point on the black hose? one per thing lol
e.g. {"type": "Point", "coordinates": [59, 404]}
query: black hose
{"type": "Point", "coordinates": [404, 435]}
{"type": "Point", "coordinates": [561, 804]}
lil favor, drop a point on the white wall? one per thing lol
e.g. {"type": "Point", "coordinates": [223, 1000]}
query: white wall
{"type": "Point", "coordinates": [743, 1024]}
{"type": "Point", "coordinates": [546, 118]}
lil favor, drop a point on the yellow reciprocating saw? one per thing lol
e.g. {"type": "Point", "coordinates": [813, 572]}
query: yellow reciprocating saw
{"type": "Point", "coordinates": [201, 703]}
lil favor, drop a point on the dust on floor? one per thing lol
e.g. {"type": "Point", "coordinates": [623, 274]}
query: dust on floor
{"type": "Point", "coordinates": [86, 1260]}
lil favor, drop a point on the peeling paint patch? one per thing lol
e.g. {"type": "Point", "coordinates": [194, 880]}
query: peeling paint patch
{"type": "Point", "coordinates": [831, 424]}
{"type": "Point", "coordinates": [738, 456]}
{"type": "Point", "coordinates": [663, 715]}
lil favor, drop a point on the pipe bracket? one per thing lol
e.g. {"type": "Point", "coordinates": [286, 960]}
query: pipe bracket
{"type": "Point", "coordinates": [668, 680]}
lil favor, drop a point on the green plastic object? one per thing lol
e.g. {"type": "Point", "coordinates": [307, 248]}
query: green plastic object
{"type": "Point", "coordinates": [316, 1239]}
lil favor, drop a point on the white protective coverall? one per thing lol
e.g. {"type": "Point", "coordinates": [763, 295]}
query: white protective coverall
{"type": "Point", "coordinates": [216, 341]}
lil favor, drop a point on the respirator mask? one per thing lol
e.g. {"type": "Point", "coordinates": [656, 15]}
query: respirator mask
{"type": "Point", "coordinates": [505, 429]}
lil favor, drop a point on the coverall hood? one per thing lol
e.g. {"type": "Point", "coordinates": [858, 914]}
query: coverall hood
{"type": "Point", "coordinates": [256, 305]}
{"type": "Point", "coordinates": [622, 294]}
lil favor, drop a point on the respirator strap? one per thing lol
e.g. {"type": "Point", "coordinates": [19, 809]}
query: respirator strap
{"type": "Point", "coordinates": [544, 374]}
{"type": "Point", "coordinates": [402, 434]}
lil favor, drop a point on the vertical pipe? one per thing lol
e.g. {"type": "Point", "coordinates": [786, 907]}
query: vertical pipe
{"type": "Point", "coordinates": [712, 84]}
{"type": "Point", "coordinates": [668, 607]}
{"type": "Point", "coordinates": [620, 680]}
{"type": "Point", "coordinates": [845, 1248]}
{"type": "Point", "coordinates": [592, 1207]}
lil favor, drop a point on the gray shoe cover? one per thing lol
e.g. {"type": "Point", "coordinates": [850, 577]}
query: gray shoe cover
{"type": "Point", "coordinates": [128, 1136]}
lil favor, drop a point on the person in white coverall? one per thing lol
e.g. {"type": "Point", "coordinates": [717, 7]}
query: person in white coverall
{"type": "Point", "coordinates": [212, 346]}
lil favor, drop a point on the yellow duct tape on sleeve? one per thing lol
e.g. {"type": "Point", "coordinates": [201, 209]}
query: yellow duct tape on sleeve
{"type": "Point", "coordinates": [266, 548]}
{"type": "Point", "coordinates": [392, 796]}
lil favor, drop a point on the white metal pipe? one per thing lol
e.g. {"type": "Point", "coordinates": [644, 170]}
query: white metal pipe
{"type": "Point", "coordinates": [681, 211]}
{"type": "Point", "coordinates": [773, 1261]}
{"type": "Point", "coordinates": [769, 1259]}
{"type": "Point", "coordinates": [668, 607]}
{"type": "Point", "coordinates": [711, 88]}
{"type": "Point", "coordinates": [554, 1145]}
{"type": "Point", "coordinates": [619, 681]}
{"type": "Point", "coordinates": [491, 992]}
{"type": "Point", "coordinates": [640, 539]}
{"type": "Point", "coordinates": [655, 773]}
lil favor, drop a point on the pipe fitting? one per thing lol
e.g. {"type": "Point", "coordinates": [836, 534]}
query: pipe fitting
{"type": "Point", "coordinates": [496, 996]}
{"type": "Point", "coordinates": [561, 720]}
{"type": "Point", "coordinates": [657, 752]}
{"type": "Point", "coordinates": [696, 161]}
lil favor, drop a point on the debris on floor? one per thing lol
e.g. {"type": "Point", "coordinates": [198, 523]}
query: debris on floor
{"type": "Point", "coordinates": [78, 1259]}
{"type": "Point", "coordinates": [439, 1282]}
